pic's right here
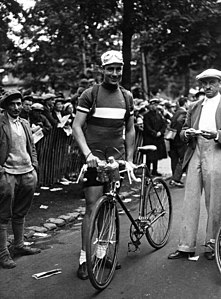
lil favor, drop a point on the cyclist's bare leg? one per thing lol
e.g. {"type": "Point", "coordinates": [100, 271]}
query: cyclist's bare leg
{"type": "Point", "coordinates": [92, 194]}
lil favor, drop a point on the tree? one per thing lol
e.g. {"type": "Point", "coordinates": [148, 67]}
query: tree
{"type": "Point", "coordinates": [8, 8]}
{"type": "Point", "coordinates": [61, 38]}
{"type": "Point", "coordinates": [182, 38]}
{"type": "Point", "coordinates": [57, 35]}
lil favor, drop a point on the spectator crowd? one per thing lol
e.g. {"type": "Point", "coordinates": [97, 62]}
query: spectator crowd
{"type": "Point", "coordinates": [51, 116]}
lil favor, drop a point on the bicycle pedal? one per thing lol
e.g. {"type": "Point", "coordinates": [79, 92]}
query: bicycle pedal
{"type": "Point", "coordinates": [132, 247]}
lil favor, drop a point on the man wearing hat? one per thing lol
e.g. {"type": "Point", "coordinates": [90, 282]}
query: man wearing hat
{"type": "Point", "coordinates": [104, 132]}
{"type": "Point", "coordinates": [38, 119]}
{"type": "Point", "coordinates": [26, 107]}
{"type": "Point", "coordinates": [153, 134]}
{"type": "Point", "coordinates": [18, 178]}
{"type": "Point", "coordinates": [48, 102]}
{"type": "Point", "coordinates": [202, 160]}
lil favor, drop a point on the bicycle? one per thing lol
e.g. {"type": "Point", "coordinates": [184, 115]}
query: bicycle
{"type": "Point", "coordinates": [154, 221]}
{"type": "Point", "coordinates": [218, 249]}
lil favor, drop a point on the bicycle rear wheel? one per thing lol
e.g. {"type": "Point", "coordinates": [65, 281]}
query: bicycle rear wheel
{"type": "Point", "coordinates": [158, 209]}
{"type": "Point", "coordinates": [218, 249]}
{"type": "Point", "coordinates": [102, 243]}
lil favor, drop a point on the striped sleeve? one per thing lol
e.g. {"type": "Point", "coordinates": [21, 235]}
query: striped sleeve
{"type": "Point", "coordinates": [85, 101]}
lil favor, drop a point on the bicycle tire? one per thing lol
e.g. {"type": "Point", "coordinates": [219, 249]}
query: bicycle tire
{"type": "Point", "coordinates": [102, 242]}
{"type": "Point", "coordinates": [158, 201]}
{"type": "Point", "coordinates": [218, 249]}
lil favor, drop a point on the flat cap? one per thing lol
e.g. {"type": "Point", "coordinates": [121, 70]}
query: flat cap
{"type": "Point", "coordinates": [48, 96]}
{"type": "Point", "coordinates": [37, 106]}
{"type": "Point", "coordinates": [9, 95]}
{"type": "Point", "coordinates": [83, 82]}
{"type": "Point", "coordinates": [154, 101]}
{"type": "Point", "coordinates": [209, 73]}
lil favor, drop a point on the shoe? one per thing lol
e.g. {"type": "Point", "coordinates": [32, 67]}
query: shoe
{"type": "Point", "coordinates": [180, 254]}
{"type": "Point", "coordinates": [173, 183]}
{"type": "Point", "coordinates": [7, 262]}
{"type": "Point", "coordinates": [25, 250]}
{"type": "Point", "coordinates": [82, 271]}
{"type": "Point", "coordinates": [210, 255]}
{"type": "Point", "coordinates": [179, 184]}
{"type": "Point", "coordinates": [155, 173]}
{"type": "Point", "coordinates": [108, 264]}
{"type": "Point", "coordinates": [64, 181]}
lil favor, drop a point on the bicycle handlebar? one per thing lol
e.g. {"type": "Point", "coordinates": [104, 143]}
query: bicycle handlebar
{"type": "Point", "coordinates": [110, 167]}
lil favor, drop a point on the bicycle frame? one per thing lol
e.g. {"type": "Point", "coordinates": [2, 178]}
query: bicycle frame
{"type": "Point", "coordinates": [115, 194]}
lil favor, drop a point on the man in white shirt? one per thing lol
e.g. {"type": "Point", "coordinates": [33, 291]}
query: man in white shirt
{"type": "Point", "coordinates": [202, 132]}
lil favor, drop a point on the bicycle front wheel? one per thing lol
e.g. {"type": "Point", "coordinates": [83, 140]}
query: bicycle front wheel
{"type": "Point", "coordinates": [158, 211]}
{"type": "Point", "coordinates": [218, 249]}
{"type": "Point", "coordinates": [102, 242]}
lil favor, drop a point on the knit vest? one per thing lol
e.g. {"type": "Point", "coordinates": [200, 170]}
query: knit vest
{"type": "Point", "coordinates": [19, 160]}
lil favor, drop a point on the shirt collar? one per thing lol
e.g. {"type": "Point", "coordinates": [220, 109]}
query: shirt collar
{"type": "Point", "coordinates": [13, 120]}
{"type": "Point", "coordinates": [215, 99]}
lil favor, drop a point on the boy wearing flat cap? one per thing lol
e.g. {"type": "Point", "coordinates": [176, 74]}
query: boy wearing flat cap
{"type": "Point", "coordinates": [202, 160]}
{"type": "Point", "coordinates": [104, 132]}
{"type": "Point", "coordinates": [18, 178]}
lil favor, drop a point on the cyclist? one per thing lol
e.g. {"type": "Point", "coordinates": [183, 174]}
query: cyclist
{"type": "Point", "coordinates": [104, 130]}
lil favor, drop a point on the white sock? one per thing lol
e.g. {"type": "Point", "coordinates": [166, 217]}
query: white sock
{"type": "Point", "coordinates": [101, 251]}
{"type": "Point", "coordinates": [82, 258]}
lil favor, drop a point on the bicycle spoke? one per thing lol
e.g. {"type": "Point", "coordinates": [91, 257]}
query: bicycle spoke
{"type": "Point", "coordinates": [218, 249]}
{"type": "Point", "coordinates": [158, 210]}
{"type": "Point", "coordinates": [103, 244]}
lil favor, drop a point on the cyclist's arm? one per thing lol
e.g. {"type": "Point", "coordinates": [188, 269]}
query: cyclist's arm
{"type": "Point", "coordinates": [78, 124]}
{"type": "Point", "coordinates": [78, 133]}
{"type": "Point", "coordinates": [130, 138]}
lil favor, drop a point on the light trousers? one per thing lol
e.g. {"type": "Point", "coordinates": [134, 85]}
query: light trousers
{"type": "Point", "coordinates": [204, 173]}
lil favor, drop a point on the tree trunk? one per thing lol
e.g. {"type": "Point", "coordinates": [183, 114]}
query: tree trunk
{"type": "Point", "coordinates": [186, 81]}
{"type": "Point", "coordinates": [145, 77]}
{"type": "Point", "coordinates": [127, 33]}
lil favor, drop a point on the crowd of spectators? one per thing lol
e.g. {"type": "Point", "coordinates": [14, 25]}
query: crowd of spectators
{"type": "Point", "coordinates": [51, 111]}
{"type": "Point", "coordinates": [152, 119]}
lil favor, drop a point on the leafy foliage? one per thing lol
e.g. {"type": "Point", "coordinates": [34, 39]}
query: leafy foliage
{"type": "Point", "coordinates": [58, 35]}
{"type": "Point", "coordinates": [61, 39]}
{"type": "Point", "coordinates": [7, 8]}
{"type": "Point", "coordinates": [185, 37]}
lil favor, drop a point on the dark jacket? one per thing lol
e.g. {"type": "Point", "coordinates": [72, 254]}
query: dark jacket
{"type": "Point", "coordinates": [177, 122]}
{"type": "Point", "coordinates": [42, 121]}
{"type": "Point", "coordinates": [54, 115]}
{"type": "Point", "coordinates": [48, 114]}
{"type": "Point", "coordinates": [24, 114]}
{"type": "Point", "coordinates": [153, 123]}
{"type": "Point", "coordinates": [5, 140]}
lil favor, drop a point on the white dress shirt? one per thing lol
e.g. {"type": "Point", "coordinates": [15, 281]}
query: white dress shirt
{"type": "Point", "coordinates": [207, 118]}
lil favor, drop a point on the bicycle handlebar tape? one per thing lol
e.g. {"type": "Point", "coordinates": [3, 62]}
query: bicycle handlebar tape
{"type": "Point", "coordinates": [102, 175]}
{"type": "Point", "coordinates": [113, 166]}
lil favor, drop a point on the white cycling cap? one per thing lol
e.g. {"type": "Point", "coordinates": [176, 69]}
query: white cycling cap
{"type": "Point", "coordinates": [112, 56]}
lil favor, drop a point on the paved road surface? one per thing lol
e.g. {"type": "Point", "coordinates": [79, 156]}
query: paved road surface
{"type": "Point", "coordinates": [147, 274]}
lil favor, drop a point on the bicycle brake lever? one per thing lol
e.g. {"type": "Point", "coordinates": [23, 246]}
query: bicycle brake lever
{"type": "Point", "coordinates": [81, 174]}
{"type": "Point", "coordinates": [131, 175]}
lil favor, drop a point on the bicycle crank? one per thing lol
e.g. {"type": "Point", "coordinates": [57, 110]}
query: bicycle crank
{"type": "Point", "coordinates": [133, 247]}
{"type": "Point", "coordinates": [135, 236]}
